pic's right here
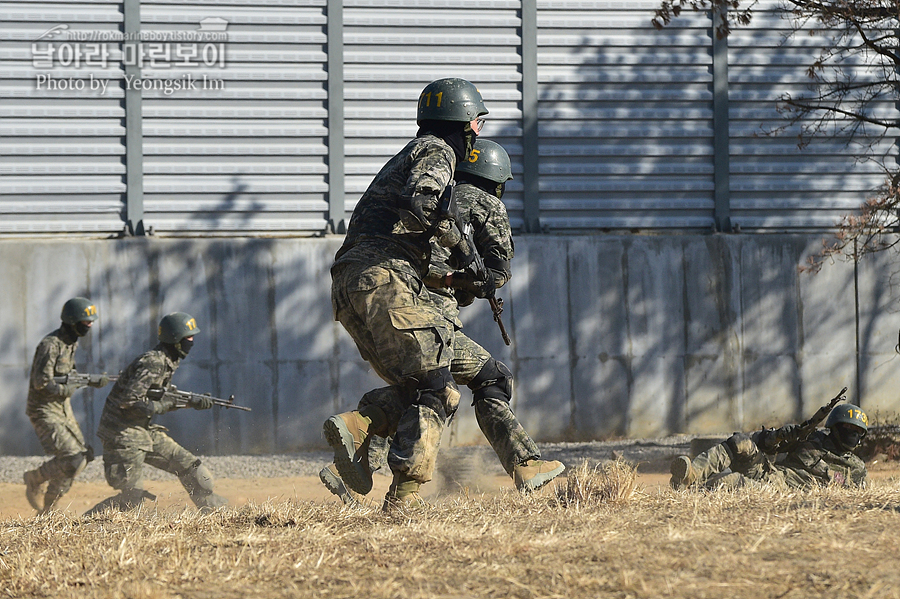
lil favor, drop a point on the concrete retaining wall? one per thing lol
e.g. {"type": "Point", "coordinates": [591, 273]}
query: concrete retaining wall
{"type": "Point", "coordinates": [612, 335]}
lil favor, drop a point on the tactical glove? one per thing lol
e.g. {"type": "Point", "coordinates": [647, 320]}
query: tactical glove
{"type": "Point", "coordinates": [98, 380]}
{"type": "Point", "coordinates": [422, 207]}
{"type": "Point", "coordinates": [467, 281]}
{"type": "Point", "coordinates": [201, 402]}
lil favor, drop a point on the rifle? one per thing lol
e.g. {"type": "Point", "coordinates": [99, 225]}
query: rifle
{"type": "Point", "coordinates": [774, 441]}
{"type": "Point", "coordinates": [83, 379]}
{"type": "Point", "coordinates": [482, 272]}
{"type": "Point", "coordinates": [183, 399]}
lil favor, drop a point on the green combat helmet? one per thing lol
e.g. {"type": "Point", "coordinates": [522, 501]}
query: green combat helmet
{"type": "Point", "coordinates": [487, 160]}
{"type": "Point", "coordinates": [450, 100]}
{"type": "Point", "coordinates": [176, 326]}
{"type": "Point", "coordinates": [849, 425]}
{"type": "Point", "coordinates": [78, 309]}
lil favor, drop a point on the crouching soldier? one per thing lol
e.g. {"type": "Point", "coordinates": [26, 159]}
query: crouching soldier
{"type": "Point", "coordinates": [130, 441]}
{"type": "Point", "coordinates": [820, 457]}
{"type": "Point", "coordinates": [49, 407]}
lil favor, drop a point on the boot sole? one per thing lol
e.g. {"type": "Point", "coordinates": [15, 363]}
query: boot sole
{"type": "Point", "coordinates": [336, 486]}
{"type": "Point", "coordinates": [539, 480]}
{"type": "Point", "coordinates": [351, 470]}
{"type": "Point", "coordinates": [679, 470]}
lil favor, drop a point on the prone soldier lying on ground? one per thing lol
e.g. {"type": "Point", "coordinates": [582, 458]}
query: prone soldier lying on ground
{"type": "Point", "coordinates": [793, 456]}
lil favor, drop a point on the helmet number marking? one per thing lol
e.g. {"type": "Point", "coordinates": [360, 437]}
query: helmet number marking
{"type": "Point", "coordinates": [473, 155]}
{"type": "Point", "coordinates": [438, 97]}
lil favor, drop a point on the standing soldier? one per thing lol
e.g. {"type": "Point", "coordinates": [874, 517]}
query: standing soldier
{"type": "Point", "coordinates": [129, 440]}
{"type": "Point", "coordinates": [379, 296]}
{"type": "Point", "coordinates": [481, 183]}
{"type": "Point", "coordinates": [50, 408]}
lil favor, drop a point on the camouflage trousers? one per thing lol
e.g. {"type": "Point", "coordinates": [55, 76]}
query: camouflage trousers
{"type": "Point", "coordinates": [61, 437]}
{"type": "Point", "coordinates": [125, 454]}
{"type": "Point", "coordinates": [738, 462]}
{"type": "Point", "coordinates": [401, 333]}
{"type": "Point", "coordinates": [495, 418]}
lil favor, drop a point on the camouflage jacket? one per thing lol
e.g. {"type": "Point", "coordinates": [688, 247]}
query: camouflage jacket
{"type": "Point", "coordinates": [819, 460]}
{"type": "Point", "coordinates": [127, 405]}
{"type": "Point", "coordinates": [493, 240]}
{"type": "Point", "coordinates": [54, 356]}
{"type": "Point", "coordinates": [381, 229]}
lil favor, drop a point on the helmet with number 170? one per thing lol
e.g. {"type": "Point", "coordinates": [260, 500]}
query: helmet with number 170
{"type": "Point", "coordinates": [450, 99]}
{"type": "Point", "coordinates": [487, 160]}
{"type": "Point", "coordinates": [849, 424]}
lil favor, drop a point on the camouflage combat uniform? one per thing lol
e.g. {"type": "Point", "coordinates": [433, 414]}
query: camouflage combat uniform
{"type": "Point", "coordinates": [130, 441]}
{"type": "Point", "coordinates": [818, 460]}
{"type": "Point", "coordinates": [378, 295]}
{"type": "Point", "coordinates": [493, 240]}
{"type": "Point", "coordinates": [49, 408]}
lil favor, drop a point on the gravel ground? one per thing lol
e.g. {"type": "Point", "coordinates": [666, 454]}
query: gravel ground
{"type": "Point", "coordinates": [650, 455]}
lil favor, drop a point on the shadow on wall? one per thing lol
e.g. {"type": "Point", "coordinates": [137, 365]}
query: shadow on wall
{"type": "Point", "coordinates": [263, 308]}
{"type": "Point", "coordinates": [701, 334]}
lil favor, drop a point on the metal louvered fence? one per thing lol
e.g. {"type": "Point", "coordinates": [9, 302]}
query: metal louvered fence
{"type": "Point", "coordinates": [270, 117]}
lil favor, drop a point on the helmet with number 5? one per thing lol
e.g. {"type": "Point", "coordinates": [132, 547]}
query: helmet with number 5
{"type": "Point", "coordinates": [450, 99]}
{"type": "Point", "coordinates": [487, 160]}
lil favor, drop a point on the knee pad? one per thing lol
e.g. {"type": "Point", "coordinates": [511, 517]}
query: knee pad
{"type": "Point", "coordinates": [197, 480]}
{"type": "Point", "coordinates": [742, 450]}
{"type": "Point", "coordinates": [437, 390]}
{"type": "Point", "coordinates": [494, 381]}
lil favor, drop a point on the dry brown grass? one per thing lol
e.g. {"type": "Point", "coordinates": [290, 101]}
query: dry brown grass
{"type": "Point", "coordinates": [595, 535]}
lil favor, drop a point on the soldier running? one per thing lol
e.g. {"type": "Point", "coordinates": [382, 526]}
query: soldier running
{"type": "Point", "coordinates": [50, 408]}
{"type": "Point", "coordinates": [379, 296]}
{"type": "Point", "coordinates": [130, 441]}
{"type": "Point", "coordinates": [481, 183]}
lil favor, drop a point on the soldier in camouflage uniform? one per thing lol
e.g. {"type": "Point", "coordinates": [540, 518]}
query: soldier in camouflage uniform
{"type": "Point", "coordinates": [130, 441]}
{"type": "Point", "coordinates": [481, 181]}
{"type": "Point", "coordinates": [379, 296]}
{"type": "Point", "coordinates": [50, 408]}
{"type": "Point", "coordinates": [825, 457]}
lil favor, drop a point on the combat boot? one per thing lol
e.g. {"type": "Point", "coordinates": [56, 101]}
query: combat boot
{"type": "Point", "coordinates": [348, 435]}
{"type": "Point", "coordinates": [403, 494]}
{"type": "Point", "coordinates": [332, 481]}
{"type": "Point", "coordinates": [531, 475]}
{"type": "Point", "coordinates": [683, 473]}
{"type": "Point", "coordinates": [35, 489]}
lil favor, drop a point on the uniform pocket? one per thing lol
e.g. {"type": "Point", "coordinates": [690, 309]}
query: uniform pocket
{"type": "Point", "coordinates": [370, 279]}
{"type": "Point", "coordinates": [413, 317]}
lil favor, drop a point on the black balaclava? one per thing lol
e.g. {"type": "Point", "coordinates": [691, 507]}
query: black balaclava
{"type": "Point", "coordinates": [69, 333]}
{"type": "Point", "coordinates": [185, 346]}
{"type": "Point", "coordinates": [485, 185]}
{"type": "Point", "coordinates": [848, 436]}
{"type": "Point", "coordinates": [458, 135]}
{"type": "Point", "coordinates": [82, 328]}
